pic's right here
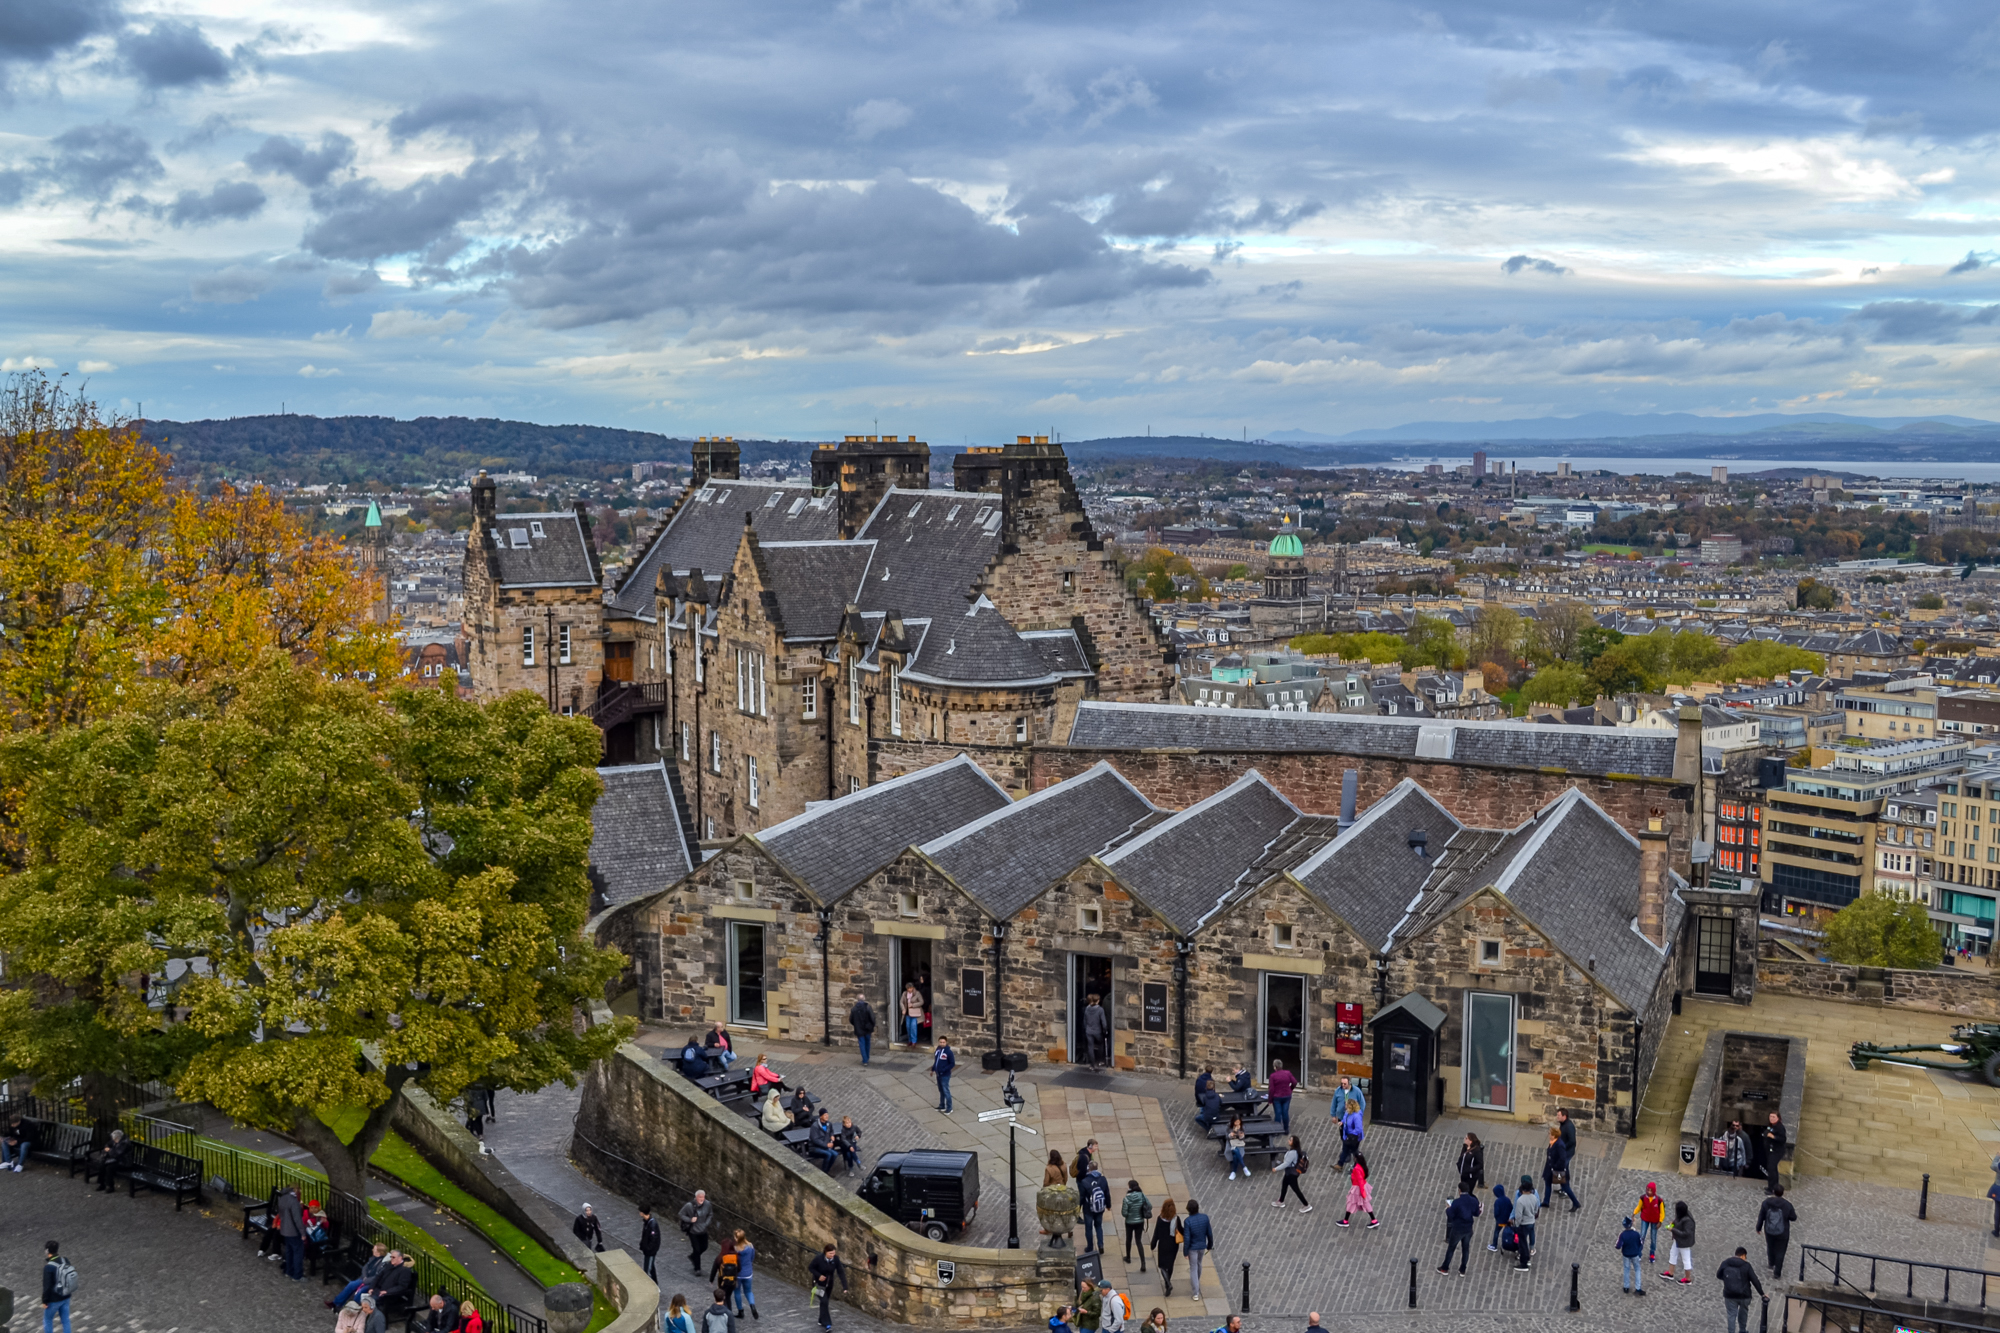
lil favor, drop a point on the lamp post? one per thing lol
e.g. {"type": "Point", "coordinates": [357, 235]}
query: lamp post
{"type": "Point", "coordinates": [999, 932]}
{"type": "Point", "coordinates": [1010, 1113]}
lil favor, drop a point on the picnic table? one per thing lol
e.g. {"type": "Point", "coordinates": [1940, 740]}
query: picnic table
{"type": "Point", "coordinates": [725, 1084]}
{"type": "Point", "coordinates": [1242, 1103]}
{"type": "Point", "coordinates": [1257, 1135]}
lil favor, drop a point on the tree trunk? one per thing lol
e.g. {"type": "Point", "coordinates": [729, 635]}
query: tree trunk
{"type": "Point", "coordinates": [346, 1164]}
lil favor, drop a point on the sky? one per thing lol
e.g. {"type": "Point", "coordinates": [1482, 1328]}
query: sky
{"type": "Point", "coordinates": [970, 219]}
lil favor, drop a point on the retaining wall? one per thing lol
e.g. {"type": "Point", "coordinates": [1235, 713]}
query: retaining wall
{"type": "Point", "coordinates": [1968, 992]}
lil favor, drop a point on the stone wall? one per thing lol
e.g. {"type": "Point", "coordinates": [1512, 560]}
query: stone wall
{"type": "Point", "coordinates": [1968, 992]}
{"type": "Point", "coordinates": [649, 1135]}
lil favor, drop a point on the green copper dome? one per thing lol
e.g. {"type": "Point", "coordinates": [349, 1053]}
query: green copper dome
{"type": "Point", "coordinates": [1287, 544]}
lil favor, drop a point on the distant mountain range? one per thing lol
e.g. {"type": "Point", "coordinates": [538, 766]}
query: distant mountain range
{"type": "Point", "coordinates": [1622, 426]}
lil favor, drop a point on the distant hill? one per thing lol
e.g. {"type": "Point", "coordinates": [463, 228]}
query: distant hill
{"type": "Point", "coordinates": [1226, 451]}
{"type": "Point", "coordinates": [1620, 426]}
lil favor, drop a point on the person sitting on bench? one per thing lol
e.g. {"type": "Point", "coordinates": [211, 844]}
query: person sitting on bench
{"type": "Point", "coordinates": [14, 1144]}
{"type": "Point", "coordinates": [376, 1263]}
{"type": "Point", "coordinates": [774, 1117]}
{"type": "Point", "coordinates": [802, 1110]}
{"type": "Point", "coordinates": [820, 1141]}
{"type": "Point", "coordinates": [116, 1157]}
{"type": "Point", "coordinates": [395, 1287]}
{"type": "Point", "coordinates": [848, 1140]}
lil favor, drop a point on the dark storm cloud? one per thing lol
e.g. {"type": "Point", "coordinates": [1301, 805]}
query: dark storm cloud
{"type": "Point", "coordinates": [93, 160]}
{"type": "Point", "coordinates": [310, 167]}
{"type": "Point", "coordinates": [478, 118]}
{"type": "Point", "coordinates": [1972, 263]}
{"type": "Point", "coordinates": [174, 54]}
{"type": "Point", "coordinates": [1924, 321]}
{"type": "Point", "coordinates": [37, 29]}
{"type": "Point", "coordinates": [229, 201]}
{"type": "Point", "coordinates": [1521, 263]}
{"type": "Point", "coordinates": [361, 220]}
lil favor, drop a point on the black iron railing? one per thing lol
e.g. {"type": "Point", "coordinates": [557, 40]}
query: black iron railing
{"type": "Point", "coordinates": [1835, 1314]}
{"type": "Point", "coordinates": [1922, 1280]}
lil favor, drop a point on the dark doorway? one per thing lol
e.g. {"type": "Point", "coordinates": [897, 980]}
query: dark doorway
{"type": "Point", "coordinates": [621, 744]}
{"type": "Point", "coordinates": [910, 961]}
{"type": "Point", "coordinates": [1089, 975]}
{"type": "Point", "coordinates": [1714, 954]}
{"type": "Point", "coordinates": [1284, 1026]}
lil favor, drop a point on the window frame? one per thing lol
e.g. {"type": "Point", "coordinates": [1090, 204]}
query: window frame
{"type": "Point", "coordinates": [809, 697]}
{"type": "Point", "coordinates": [562, 645]}
{"type": "Point", "coordinates": [751, 779]}
{"type": "Point", "coordinates": [895, 702]}
{"type": "Point", "coordinates": [527, 645]}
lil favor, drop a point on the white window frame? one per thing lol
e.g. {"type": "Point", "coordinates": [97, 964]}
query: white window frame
{"type": "Point", "coordinates": [527, 645]}
{"type": "Point", "coordinates": [740, 693]}
{"type": "Point", "coordinates": [751, 773]}
{"type": "Point", "coordinates": [909, 903]}
{"type": "Point", "coordinates": [853, 784]}
{"type": "Point", "coordinates": [853, 692]}
{"type": "Point", "coordinates": [687, 740]}
{"type": "Point", "coordinates": [1284, 935]}
{"type": "Point", "coordinates": [895, 703]}
{"type": "Point", "coordinates": [1021, 730]}
{"type": "Point", "coordinates": [1499, 958]}
{"type": "Point", "coordinates": [562, 644]}
{"type": "Point", "coordinates": [708, 824]}
{"type": "Point", "coordinates": [1090, 918]}
{"type": "Point", "coordinates": [761, 683]}
{"type": "Point", "coordinates": [695, 639]}
{"type": "Point", "coordinates": [714, 750]}
{"type": "Point", "coordinates": [809, 697]}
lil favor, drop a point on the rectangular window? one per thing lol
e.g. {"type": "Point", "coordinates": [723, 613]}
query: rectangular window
{"type": "Point", "coordinates": [1489, 1051]}
{"type": "Point", "coordinates": [809, 697]}
{"type": "Point", "coordinates": [1020, 731]}
{"type": "Point", "coordinates": [709, 824]}
{"type": "Point", "coordinates": [562, 644]}
{"type": "Point", "coordinates": [687, 741]}
{"type": "Point", "coordinates": [695, 639]}
{"type": "Point", "coordinates": [908, 903]}
{"type": "Point", "coordinates": [1489, 953]}
{"type": "Point", "coordinates": [752, 771]}
{"type": "Point", "coordinates": [853, 693]}
{"type": "Point", "coordinates": [763, 688]}
{"type": "Point", "coordinates": [1090, 918]}
{"type": "Point", "coordinates": [715, 752]}
{"type": "Point", "coordinates": [656, 733]}
{"type": "Point", "coordinates": [895, 704]}
{"type": "Point", "coordinates": [853, 784]}
{"type": "Point", "coordinates": [1282, 935]}
{"type": "Point", "coordinates": [741, 694]}
{"type": "Point", "coordinates": [746, 973]}
{"type": "Point", "coordinates": [527, 645]}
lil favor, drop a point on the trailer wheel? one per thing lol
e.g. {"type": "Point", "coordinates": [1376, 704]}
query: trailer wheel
{"type": "Point", "coordinates": [1990, 1071]}
{"type": "Point", "coordinates": [935, 1231]}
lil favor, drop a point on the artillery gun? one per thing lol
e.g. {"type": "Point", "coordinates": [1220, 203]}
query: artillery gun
{"type": "Point", "coordinates": [1976, 1047]}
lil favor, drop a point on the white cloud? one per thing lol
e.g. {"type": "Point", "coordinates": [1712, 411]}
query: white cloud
{"type": "Point", "coordinates": [877, 115]}
{"type": "Point", "coordinates": [416, 324]}
{"type": "Point", "coordinates": [316, 373]}
{"type": "Point", "coordinates": [27, 363]}
{"type": "Point", "coordinates": [95, 367]}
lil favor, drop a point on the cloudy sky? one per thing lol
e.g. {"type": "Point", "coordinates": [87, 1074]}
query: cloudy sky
{"type": "Point", "coordinates": [972, 218]}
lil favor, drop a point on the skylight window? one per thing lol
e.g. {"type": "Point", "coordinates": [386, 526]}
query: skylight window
{"type": "Point", "coordinates": [517, 537]}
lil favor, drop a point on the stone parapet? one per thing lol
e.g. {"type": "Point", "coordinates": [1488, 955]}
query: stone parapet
{"type": "Point", "coordinates": [1971, 992]}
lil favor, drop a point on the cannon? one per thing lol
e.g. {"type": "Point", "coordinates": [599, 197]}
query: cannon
{"type": "Point", "coordinates": [1974, 1046]}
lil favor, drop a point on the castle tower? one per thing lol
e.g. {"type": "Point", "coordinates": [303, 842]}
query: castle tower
{"type": "Point", "coordinates": [863, 467]}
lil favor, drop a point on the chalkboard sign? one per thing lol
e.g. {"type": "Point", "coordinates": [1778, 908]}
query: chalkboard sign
{"type": "Point", "coordinates": [972, 993]}
{"type": "Point", "coordinates": [1156, 1006]}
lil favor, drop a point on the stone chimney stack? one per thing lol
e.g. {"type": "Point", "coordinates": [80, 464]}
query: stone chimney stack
{"type": "Point", "coordinates": [482, 498]}
{"type": "Point", "coordinates": [718, 457]}
{"type": "Point", "coordinates": [1687, 745]}
{"type": "Point", "coordinates": [863, 468]}
{"type": "Point", "coordinates": [1653, 883]}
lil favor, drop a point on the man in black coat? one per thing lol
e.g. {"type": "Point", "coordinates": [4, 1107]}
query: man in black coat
{"type": "Point", "coordinates": [1773, 1152]}
{"type": "Point", "coordinates": [862, 1019]}
{"type": "Point", "coordinates": [395, 1287]}
{"type": "Point", "coordinates": [1774, 1219]}
{"type": "Point", "coordinates": [649, 1241]}
{"type": "Point", "coordinates": [1739, 1279]}
{"type": "Point", "coordinates": [823, 1271]}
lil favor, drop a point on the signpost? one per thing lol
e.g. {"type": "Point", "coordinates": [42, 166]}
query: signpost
{"type": "Point", "coordinates": [1010, 1113]}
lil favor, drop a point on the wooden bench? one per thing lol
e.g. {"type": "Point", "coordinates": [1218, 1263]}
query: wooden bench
{"type": "Point", "coordinates": [166, 1172]}
{"type": "Point", "coordinates": [66, 1144]}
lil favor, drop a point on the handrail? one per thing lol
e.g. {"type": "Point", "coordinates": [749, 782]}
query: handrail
{"type": "Point", "coordinates": [1910, 1267]}
{"type": "Point", "coordinates": [1938, 1323]}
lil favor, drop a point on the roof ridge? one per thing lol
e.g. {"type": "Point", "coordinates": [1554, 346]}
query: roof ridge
{"type": "Point", "coordinates": [804, 817]}
{"type": "Point", "coordinates": [1097, 770]}
{"type": "Point", "coordinates": [1251, 778]}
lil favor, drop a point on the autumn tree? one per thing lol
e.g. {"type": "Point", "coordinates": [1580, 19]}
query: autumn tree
{"type": "Point", "coordinates": [1432, 641]}
{"type": "Point", "coordinates": [1557, 630]}
{"type": "Point", "coordinates": [1877, 930]}
{"type": "Point", "coordinates": [1496, 636]}
{"type": "Point", "coordinates": [292, 898]}
{"type": "Point", "coordinates": [1560, 684]}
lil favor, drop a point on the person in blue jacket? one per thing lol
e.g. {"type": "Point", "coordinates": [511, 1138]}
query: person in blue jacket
{"type": "Point", "coordinates": [942, 1064]}
{"type": "Point", "coordinates": [1459, 1215]}
{"type": "Point", "coordinates": [1632, 1245]}
{"type": "Point", "coordinates": [1503, 1213]}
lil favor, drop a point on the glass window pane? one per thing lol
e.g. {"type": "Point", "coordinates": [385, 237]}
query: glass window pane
{"type": "Point", "coordinates": [746, 973]}
{"type": "Point", "coordinates": [1489, 1051]}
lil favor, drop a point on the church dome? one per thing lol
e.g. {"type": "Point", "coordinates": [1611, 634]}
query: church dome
{"type": "Point", "coordinates": [1286, 545]}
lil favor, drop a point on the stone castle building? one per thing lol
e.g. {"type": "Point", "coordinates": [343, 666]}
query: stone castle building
{"type": "Point", "coordinates": [781, 643]}
{"type": "Point", "coordinates": [1288, 606]}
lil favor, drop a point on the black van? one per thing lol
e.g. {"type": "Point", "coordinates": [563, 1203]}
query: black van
{"type": "Point", "coordinates": [935, 1193]}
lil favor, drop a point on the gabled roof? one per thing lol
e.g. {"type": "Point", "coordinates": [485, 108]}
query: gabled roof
{"type": "Point", "coordinates": [546, 550]}
{"type": "Point", "coordinates": [1006, 859]}
{"type": "Point", "coordinates": [638, 841]}
{"type": "Point", "coordinates": [1368, 876]}
{"type": "Point", "coordinates": [1061, 651]}
{"type": "Point", "coordinates": [931, 547]}
{"type": "Point", "coordinates": [705, 529]}
{"type": "Point", "coordinates": [814, 583]}
{"type": "Point", "coordinates": [835, 845]}
{"type": "Point", "coordinates": [1189, 866]}
{"type": "Point", "coordinates": [1508, 744]}
{"type": "Point", "coordinates": [976, 645]}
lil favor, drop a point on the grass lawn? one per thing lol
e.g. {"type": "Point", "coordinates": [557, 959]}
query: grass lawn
{"type": "Point", "coordinates": [1597, 548]}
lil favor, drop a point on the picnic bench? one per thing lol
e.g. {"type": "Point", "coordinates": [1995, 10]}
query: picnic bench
{"type": "Point", "coordinates": [1258, 1138]}
{"type": "Point", "coordinates": [1242, 1103]}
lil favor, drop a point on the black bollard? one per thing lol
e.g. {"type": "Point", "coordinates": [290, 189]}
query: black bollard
{"type": "Point", "coordinates": [1574, 1303]}
{"type": "Point", "coordinates": [1413, 1284]}
{"type": "Point", "coordinates": [1246, 1288]}
{"type": "Point", "coordinates": [1924, 1199]}
{"type": "Point", "coordinates": [1764, 1317]}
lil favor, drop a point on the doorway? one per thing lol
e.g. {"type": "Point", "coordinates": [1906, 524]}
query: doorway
{"type": "Point", "coordinates": [1714, 954]}
{"type": "Point", "coordinates": [1283, 1034]}
{"type": "Point", "coordinates": [746, 974]}
{"type": "Point", "coordinates": [1089, 974]}
{"type": "Point", "coordinates": [618, 662]}
{"type": "Point", "coordinates": [910, 961]}
{"type": "Point", "coordinates": [1489, 1051]}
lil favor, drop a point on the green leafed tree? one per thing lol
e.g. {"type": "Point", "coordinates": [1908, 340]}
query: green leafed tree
{"type": "Point", "coordinates": [1763, 659]}
{"type": "Point", "coordinates": [1876, 930]}
{"type": "Point", "coordinates": [293, 900]}
{"type": "Point", "coordinates": [1432, 641]}
{"type": "Point", "coordinates": [1559, 684]}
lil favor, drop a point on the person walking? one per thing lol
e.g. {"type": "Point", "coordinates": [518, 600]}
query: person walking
{"type": "Point", "coordinates": [1281, 1087]}
{"type": "Point", "coordinates": [292, 1232]}
{"type": "Point", "coordinates": [1156, 1321]}
{"type": "Point", "coordinates": [746, 1259]}
{"type": "Point", "coordinates": [1089, 1308]}
{"type": "Point", "coordinates": [1351, 1130]}
{"type": "Point", "coordinates": [1115, 1313]}
{"type": "Point", "coordinates": [1681, 1233]}
{"type": "Point", "coordinates": [1774, 1218]}
{"type": "Point", "coordinates": [1166, 1245]}
{"type": "Point", "coordinates": [1736, 1153]}
{"type": "Point", "coordinates": [1651, 1210]}
{"type": "Point", "coordinates": [1094, 1193]}
{"type": "Point", "coordinates": [1199, 1234]}
{"type": "Point", "coordinates": [911, 1007]}
{"type": "Point", "coordinates": [696, 1214]}
{"type": "Point", "coordinates": [649, 1242]}
{"type": "Point", "coordinates": [716, 1318]}
{"type": "Point", "coordinates": [1503, 1213]}
{"type": "Point", "coordinates": [862, 1019]}
{"type": "Point", "coordinates": [58, 1285]}
{"type": "Point", "coordinates": [1360, 1195]}
{"type": "Point", "coordinates": [1567, 1128]}
{"type": "Point", "coordinates": [1137, 1210]}
{"type": "Point", "coordinates": [588, 1229]}
{"type": "Point", "coordinates": [1632, 1245]}
{"type": "Point", "coordinates": [1773, 1153]}
{"type": "Point", "coordinates": [1739, 1279]}
{"type": "Point", "coordinates": [1293, 1166]}
{"type": "Point", "coordinates": [1234, 1143]}
{"type": "Point", "coordinates": [678, 1318]}
{"type": "Point", "coordinates": [1459, 1215]}
{"type": "Point", "coordinates": [1096, 1031]}
{"type": "Point", "coordinates": [722, 1274]}
{"type": "Point", "coordinates": [1054, 1173]}
{"type": "Point", "coordinates": [1527, 1207]}
{"type": "Point", "coordinates": [942, 1063]}
{"type": "Point", "coordinates": [1555, 1170]}
{"type": "Point", "coordinates": [1472, 1164]}
{"type": "Point", "coordinates": [823, 1271]}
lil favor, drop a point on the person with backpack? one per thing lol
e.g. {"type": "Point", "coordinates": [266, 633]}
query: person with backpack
{"type": "Point", "coordinates": [1281, 1087]}
{"type": "Point", "coordinates": [1094, 1191]}
{"type": "Point", "coordinates": [746, 1256]}
{"type": "Point", "coordinates": [1631, 1245]}
{"type": "Point", "coordinates": [1294, 1166]}
{"type": "Point", "coordinates": [942, 1064]}
{"type": "Point", "coordinates": [1198, 1238]}
{"type": "Point", "coordinates": [722, 1273]}
{"type": "Point", "coordinates": [1527, 1207]}
{"type": "Point", "coordinates": [716, 1318]}
{"type": "Point", "coordinates": [1739, 1279]}
{"type": "Point", "coordinates": [1503, 1213]}
{"type": "Point", "coordinates": [1137, 1210]}
{"type": "Point", "coordinates": [1117, 1309]}
{"type": "Point", "coordinates": [1166, 1245]}
{"type": "Point", "coordinates": [862, 1019]}
{"type": "Point", "coordinates": [649, 1241]}
{"type": "Point", "coordinates": [1360, 1197]}
{"type": "Point", "coordinates": [59, 1283]}
{"type": "Point", "coordinates": [1774, 1218]}
{"type": "Point", "coordinates": [823, 1271]}
{"type": "Point", "coordinates": [1651, 1210]}
{"type": "Point", "coordinates": [1682, 1235]}
{"type": "Point", "coordinates": [1459, 1215]}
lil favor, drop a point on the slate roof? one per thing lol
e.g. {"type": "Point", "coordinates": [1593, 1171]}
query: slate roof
{"type": "Point", "coordinates": [976, 644]}
{"type": "Point", "coordinates": [556, 557]}
{"type": "Point", "coordinates": [836, 844]}
{"type": "Point", "coordinates": [1368, 876]}
{"type": "Point", "coordinates": [1188, 866]}
{"type": "Point", "coordinates": [814, 582]}
{"type": "Point", "coordinates": [1507, 744]}
{"type": "Point", "coordinates": [1873, 643]}
{"type": "Point", "coordinates": [1062, 652]}
{"type": "Point", "coordinates": [705, 529]}
{"type": "Point", "coordinates": [931, 547]}
{"type": "Point", "coordinates": [1008, 858]}
{"type": "Point", "coordinates": [638, 843]}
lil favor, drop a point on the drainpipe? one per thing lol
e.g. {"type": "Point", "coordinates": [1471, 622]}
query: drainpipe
{"type": "Point", "coordinates": [825, 975]}
{"type": "Point", "coordinates": [1182, 948]}
{"type": "Point", "coordinates": [826, 698]}
{"type": "Point", "coordinates": [999, 987]}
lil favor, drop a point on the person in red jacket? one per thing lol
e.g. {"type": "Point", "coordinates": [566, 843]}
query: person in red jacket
{"type": "Point", "coordinates": [1651, 1210]}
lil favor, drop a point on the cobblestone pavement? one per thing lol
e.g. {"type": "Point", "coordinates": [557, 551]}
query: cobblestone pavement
{"type": "Point", "coordinates": [144, 1268]}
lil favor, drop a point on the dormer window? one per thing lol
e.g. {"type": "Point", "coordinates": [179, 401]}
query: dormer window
{"type": "Point", "coordinates": [517, 538]}
{"type": "Point", "coordinates": [536, 529]}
